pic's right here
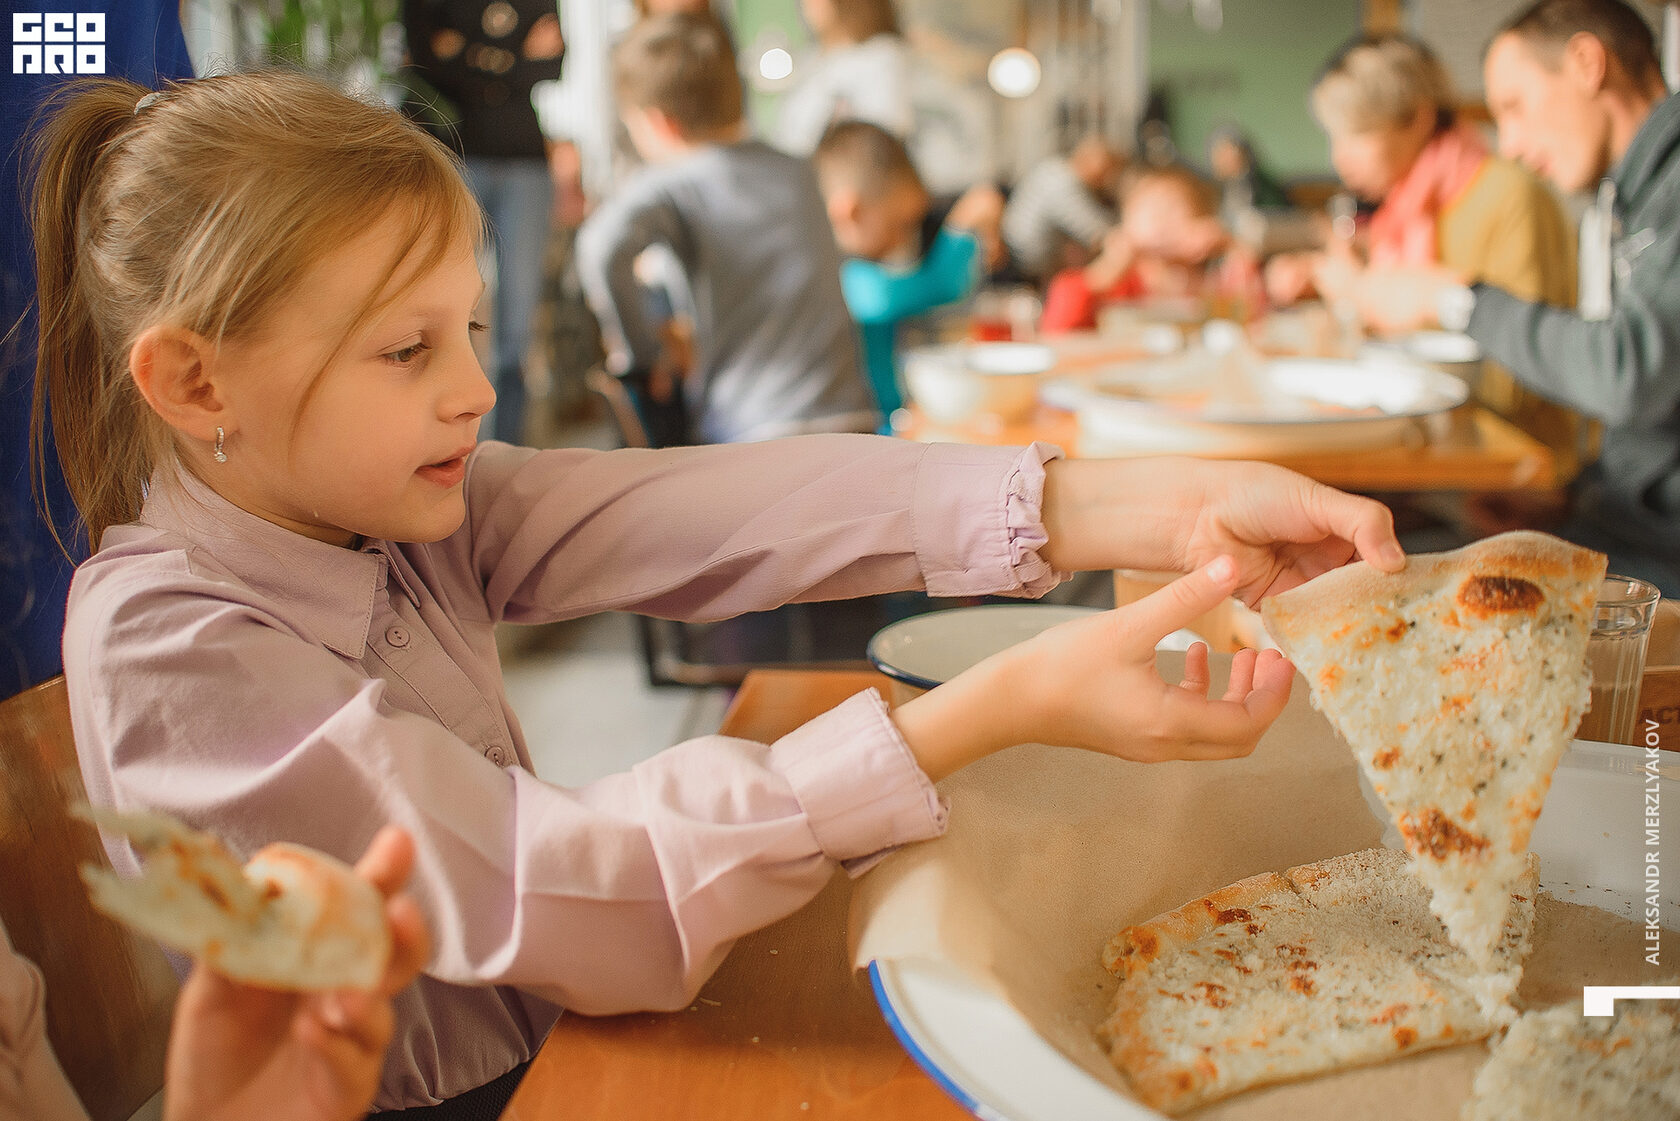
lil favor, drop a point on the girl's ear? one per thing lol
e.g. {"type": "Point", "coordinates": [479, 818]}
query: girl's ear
{"type": "Point", "coordinates": [172, 369]}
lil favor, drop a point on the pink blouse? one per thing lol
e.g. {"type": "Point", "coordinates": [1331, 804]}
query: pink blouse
{"type": "Point", "coordinates": [268, 686]}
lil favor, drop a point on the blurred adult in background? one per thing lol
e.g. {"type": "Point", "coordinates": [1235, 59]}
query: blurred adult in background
{"type": "Point", "coordinates": [144, 43]}
{"type": "Point", "coordinates": [1244, 183]}
{"type": "Point", "coordinates": [1578, 95]}
{"type": "Point", "coordinates": [485, 58]}
{"type": "Point", "coordinates": [1059, 211]}
{"type": "Point", "coordinates": [1443, 199]}
{"type": "Point", "coordinates": [865, 70]}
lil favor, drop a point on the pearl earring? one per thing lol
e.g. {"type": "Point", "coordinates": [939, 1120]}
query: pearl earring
{"type": "Point", "coordinates": [221, 456]}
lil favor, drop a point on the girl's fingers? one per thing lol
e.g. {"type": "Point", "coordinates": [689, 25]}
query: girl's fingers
{"type": "Point", "coordinates": [361, 1018]}
{"type": "Point", "coordinates": [388, 860]}
{"type": "Point", "coordinates": [1231, 723]}
{"type": "Point", "coordinates": [1196, 674]}
{"type": "Point", "coordinates": [1242, 675]}
{"type": "Point", "coordinates": [411, 945]}
{"type": "Point", "coordinates": [1177, 605]}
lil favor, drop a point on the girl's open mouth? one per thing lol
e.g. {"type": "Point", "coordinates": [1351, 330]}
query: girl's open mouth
{"type": "Point", "coordinates": [445, 473]}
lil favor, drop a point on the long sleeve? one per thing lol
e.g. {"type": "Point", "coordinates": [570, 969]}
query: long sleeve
{"type": "Point", "coordinates": [1621, 370]}
{"type": "Point", "coordinates": [607, 247]}
{"type": "Point", "coordinates": [946, 273]}
{"type": "Point", "coordinates": [237, 692]}
{"type": "Point", "coordinates": [621, 895]}
{"type": "Point", "coordinates": [31, 1083]}
{"type": "Point", "coordinates": [721, 530]}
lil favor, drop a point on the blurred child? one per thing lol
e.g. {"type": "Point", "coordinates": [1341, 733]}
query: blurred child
{"type": "Point", "coordinates": [1063, 204]}
{"type": "Point", "coordinates": [773, 352]}
{"type": "Point", "coordinates": [877, 204]}
{"type": "Point", "coordinates": [267, 402]}
{"type": "Point", "coordinates": [1169, 245]}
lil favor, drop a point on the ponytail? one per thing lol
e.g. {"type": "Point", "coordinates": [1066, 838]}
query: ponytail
{"type": "Point", "coordinates": [104, 433]}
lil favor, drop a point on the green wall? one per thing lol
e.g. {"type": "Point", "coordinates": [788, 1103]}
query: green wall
{"type": "Point", "coordinates": [1256, 70]}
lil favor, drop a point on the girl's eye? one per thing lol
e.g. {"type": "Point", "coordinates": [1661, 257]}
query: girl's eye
{"type": "Point", "coordinates": [407, 354]}
{"type": "Point", "coordinates": [475, 325]}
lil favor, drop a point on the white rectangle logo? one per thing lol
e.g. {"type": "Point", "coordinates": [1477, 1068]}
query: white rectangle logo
{"type": "Point", "coordinates": [58, 42]}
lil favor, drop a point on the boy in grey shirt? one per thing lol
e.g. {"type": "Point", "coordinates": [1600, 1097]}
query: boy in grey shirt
{"type": "Point", "coordinates": [774, 351]}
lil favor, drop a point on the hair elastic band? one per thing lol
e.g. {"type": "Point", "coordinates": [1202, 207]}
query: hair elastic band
{"type": "Point", "coordinates": [149, 100]}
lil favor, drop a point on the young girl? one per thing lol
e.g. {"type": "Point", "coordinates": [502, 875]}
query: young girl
{"type": "Point", "coordinates": [256, 302]}
{"type": "Point", "coordinates": [1169, 245]}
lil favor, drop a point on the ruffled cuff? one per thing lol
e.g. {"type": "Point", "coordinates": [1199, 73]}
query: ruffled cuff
{"type": "Point", "coordinates": [1024, 506]}
{"type": "Point", "coordinates": [976, 540]}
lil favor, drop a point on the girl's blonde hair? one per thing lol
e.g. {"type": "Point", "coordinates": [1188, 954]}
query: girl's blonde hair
{"type": "Point", "coordinates": [1381, 82]}
{"type": "Point", "coordinates": [201, 209]}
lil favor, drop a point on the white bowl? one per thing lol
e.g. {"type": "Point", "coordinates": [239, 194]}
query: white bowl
{"type": "Point", "coordinates": [923, 651]}
{"type": "Point", "coordinates": [953, 384]}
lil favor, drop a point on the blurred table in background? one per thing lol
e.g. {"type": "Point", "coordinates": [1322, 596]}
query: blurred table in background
{"type": "Point", "coordinates": [1473, 450]}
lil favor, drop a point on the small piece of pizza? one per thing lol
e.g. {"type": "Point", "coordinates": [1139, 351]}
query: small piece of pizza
{"type": "Point", "coordinates": [291, 918]}
{"type": "Point", "coordinates": [1558, 1065]}
{"type": "Point", "coordinates": [1459, 683]}
{"type": "Point", "coordinates": [1283, 976]}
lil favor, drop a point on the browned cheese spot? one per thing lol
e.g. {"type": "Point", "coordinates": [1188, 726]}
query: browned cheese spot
{"type": "Point", "coordinates": [1385, 760]}
{"type": "Point", "coordinates": [1301, 983]}
{"type": "Point", "coordinates": [1435, 833]}
{"type": "Point", "coordinates": [214, 891]}
{"type": "Point", "coordinates": [1492, 595]}
{"type": "Point", "coordinates": [1213, 993]}
{"type": "Point", "coordinates": [1405, 1037]}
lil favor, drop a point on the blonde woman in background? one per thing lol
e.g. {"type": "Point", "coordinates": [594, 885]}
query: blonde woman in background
{"type": "Point", "coordinates": [1443, 198]}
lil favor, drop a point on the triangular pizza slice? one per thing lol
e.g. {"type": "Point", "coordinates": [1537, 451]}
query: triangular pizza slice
{"type": "Point", "coordinates": [1458, 682]}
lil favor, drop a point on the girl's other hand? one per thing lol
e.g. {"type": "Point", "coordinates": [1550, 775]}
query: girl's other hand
{"type": "Point", "coordinates": [239, 1051]}
{"type": "Point", "coordinates": [1092, 684]}
{"type": "Point", "coordinates": [1174, 514]}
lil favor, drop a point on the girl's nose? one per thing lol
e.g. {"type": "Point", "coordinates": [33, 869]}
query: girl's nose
{"type": "Point", "coordinates": [471, 393]}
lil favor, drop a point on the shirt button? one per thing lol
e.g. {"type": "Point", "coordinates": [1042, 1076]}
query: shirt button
{"type": "Point", "coordinates": [397, 636]}
{"type": "Point", "coordinates": [498, 757]}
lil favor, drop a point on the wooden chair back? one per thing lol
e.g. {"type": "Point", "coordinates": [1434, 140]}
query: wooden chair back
{"type": "Point", "coordinates": [109, 992]}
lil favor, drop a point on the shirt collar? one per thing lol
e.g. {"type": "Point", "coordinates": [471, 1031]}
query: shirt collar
{"type": "Point", "coordinates": [329, 591]}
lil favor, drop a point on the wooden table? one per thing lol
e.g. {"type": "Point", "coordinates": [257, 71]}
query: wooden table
{"type": "Point", "coordinates": [784, 1028]}
{"type": "Point", "coordinates": [1476, 450]}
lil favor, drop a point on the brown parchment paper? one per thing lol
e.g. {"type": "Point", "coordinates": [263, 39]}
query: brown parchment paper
{"type": "Point", "coordinates": [1050, 851]}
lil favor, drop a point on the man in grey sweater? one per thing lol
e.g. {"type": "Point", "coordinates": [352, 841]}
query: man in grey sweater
{"type": "Point", "coordinates": [774, 351]}
{"type": "Point", "coordinates": [1577, 93]}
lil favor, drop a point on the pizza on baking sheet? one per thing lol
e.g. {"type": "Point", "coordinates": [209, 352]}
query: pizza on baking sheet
{"type": "Point", "coordinates": [1559, 1065]}
{"type": "Point", "coordinates": [1459, 683]}
{"type": "Point", "coordinates": [1282, 976]}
